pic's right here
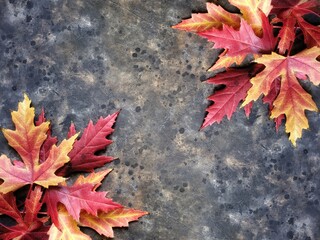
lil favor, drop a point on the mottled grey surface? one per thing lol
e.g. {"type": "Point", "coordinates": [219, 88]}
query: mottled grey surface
{"type": "Point", "coordinates": [84, 59]}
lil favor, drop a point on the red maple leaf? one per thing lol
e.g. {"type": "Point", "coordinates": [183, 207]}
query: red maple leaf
{"type": "Point", "coordinates": [236, 83]}
{"type": "Point", "coordinates": [238, 44]}
{"type": "Point", "coordinates": [77, 198]}
{"type": "Point", "coordinates": [93, 139]}
{"type": "Point", "coordinates": [243, 41]}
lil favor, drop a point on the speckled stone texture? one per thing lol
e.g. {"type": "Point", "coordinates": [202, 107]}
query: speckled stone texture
{"type": "Point", "coordinates": [84, 59]}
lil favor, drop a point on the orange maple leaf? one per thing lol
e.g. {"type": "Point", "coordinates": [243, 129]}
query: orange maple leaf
{"type": "Point", "coordinates": [292, 100]}
{"type": "Point", "coordinates": [105, 221]}
{"type": "Point", "coordinates": [27, 139]}
{"type": "Point", "coordinates": [215, 18]}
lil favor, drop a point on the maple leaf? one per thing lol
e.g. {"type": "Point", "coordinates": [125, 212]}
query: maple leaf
{"type": "Point", "coordinates": [228, 31]}
{"type": "Point", "coordinates": [243, 41]}
{"type": "Point", "coordinates": [76, 198]}
{"type": "Point", "coordinates": [27, 140]}
{"type": "Point", "coordinates": [215, 18]}
{"type": "Point", "coordinates": [237, 83]}
{"type": "Point", "coordinates": [255, 35]}
{"type": "Point", "coordinates": [292, 100]}
{"type": "Point", "coordinates": [238, 44]}
{"type": "Point", "coordinates": [93, 139]}
{"type": "Point", "coordinates": [105, 221]}
{"type": "Point", "coordinates": [250, 10]}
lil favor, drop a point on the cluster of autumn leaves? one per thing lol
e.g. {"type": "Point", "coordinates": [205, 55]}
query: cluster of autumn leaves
{"type": "Point", "coordinates": [34, 191]}
{"type": "Point", "coordinates": [271, 33]}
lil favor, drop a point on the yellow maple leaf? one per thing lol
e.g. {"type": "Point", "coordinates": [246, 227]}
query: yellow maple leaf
{"type": "Point", "coordinates": [215, 18]}
{"type": "Point", "coordinates": [27, 139]}
{"type": "Point", "coordinates": [292, 100]}
{"type": "Point", "coordinates": [105, 221]}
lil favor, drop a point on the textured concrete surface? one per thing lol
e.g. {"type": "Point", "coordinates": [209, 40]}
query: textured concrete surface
{"type": "Point", "coordinates": [84, 59]}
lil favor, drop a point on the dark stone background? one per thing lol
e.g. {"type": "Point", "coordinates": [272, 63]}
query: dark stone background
{"type": "Point", "coordinates": [84, 59]}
